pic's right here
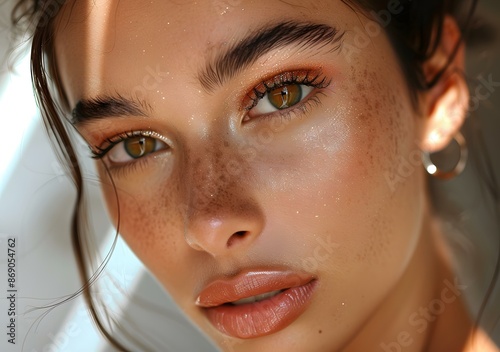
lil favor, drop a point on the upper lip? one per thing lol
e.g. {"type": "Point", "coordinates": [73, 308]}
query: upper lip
{"type": "Point", "coordinates": [248, 284]}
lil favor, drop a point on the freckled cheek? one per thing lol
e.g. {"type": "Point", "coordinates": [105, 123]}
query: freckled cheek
{"type": "Point", "coordinates": [150, 223]}
{"type": "Point", "coordinates": [356, 150]}
{"type": "Point", "coordinates": [346, 195]}
{"type": "Point", "coordinates": [379, 224]}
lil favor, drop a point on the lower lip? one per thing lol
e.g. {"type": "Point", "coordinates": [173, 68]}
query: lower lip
{"type": "Point", "coordinates": [252, 320]}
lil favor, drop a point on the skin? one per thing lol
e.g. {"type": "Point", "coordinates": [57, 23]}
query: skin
{"type": "Point", "coordinates": [322, 175]}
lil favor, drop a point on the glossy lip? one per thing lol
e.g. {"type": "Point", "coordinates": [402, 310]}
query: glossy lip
{"type": "Point", "coordinates": [256, 319]}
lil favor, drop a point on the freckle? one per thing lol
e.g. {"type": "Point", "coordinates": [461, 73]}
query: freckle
{"type": "Point", "coordinates": [320, 331]}
{"type": "Point", "coordinates": [393, 99]}
{"type": "Point", "coordinates": [367, 101]}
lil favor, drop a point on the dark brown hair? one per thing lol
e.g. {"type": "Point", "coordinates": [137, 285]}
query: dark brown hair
{"type": "Point", "coordinates": [412, 31]}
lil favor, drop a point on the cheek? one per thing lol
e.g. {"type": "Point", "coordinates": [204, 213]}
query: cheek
{"type": "Point", "coordinates": [384, 221]}
{"type": "Point", "coordinates": [376, 222]}
{"type": "Point", "coordinates": [150, 224]}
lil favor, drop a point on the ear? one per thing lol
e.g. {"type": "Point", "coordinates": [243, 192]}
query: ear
{"type": "Point", "coordinates": [445, 104]}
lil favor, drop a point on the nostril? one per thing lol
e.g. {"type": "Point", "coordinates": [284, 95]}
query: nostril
{"type": "Point", "coordinates": [236, 237]}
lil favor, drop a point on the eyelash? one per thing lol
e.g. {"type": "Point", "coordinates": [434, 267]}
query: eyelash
{"type": "Point", "coordinates": [311, 78]}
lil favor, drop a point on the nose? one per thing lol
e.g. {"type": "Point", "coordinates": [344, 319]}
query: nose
{"type": "Point", "coordinates": [222, 216]}
{"type": "Point", "coordinates": [226, 232]}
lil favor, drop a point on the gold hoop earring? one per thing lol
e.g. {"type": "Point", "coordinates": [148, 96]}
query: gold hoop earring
{"type": "Point", "coordinates": [434, 171]}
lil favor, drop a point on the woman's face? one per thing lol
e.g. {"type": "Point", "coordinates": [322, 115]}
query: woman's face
{"type": "Point", "coordinates": [257, 147]}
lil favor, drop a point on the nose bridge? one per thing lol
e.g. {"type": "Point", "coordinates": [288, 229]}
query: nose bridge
{"type": "Point", "coordinates": [214, 180]}
{"type": "Point", "coordinates": [209, 182]}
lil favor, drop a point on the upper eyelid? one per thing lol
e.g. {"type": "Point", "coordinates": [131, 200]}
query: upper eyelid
{"type": "Point", "coordinates": [289, 76]}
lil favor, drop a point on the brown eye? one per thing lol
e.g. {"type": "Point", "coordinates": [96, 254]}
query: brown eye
{"type": "Point", "coordinates": [132, 148]}
{"type": "Point", "coordinates": [286, 96]}
{"type": "Point", "coordinates": [281, 98]}
{"type": "Point", "coordinates": [139, 146]}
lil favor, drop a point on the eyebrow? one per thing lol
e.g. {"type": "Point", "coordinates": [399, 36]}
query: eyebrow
{"type": "Point", "coordinates": [247, 51]}
{"type": "Point", "coordinates": [108, 106]}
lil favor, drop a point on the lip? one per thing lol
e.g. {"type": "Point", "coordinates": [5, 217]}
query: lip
{"type": "Point", "coordinates": [261, 318]}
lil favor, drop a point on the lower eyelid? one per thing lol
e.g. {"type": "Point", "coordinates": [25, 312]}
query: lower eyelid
{"type": "Point", "coordinates": [123, 169]}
